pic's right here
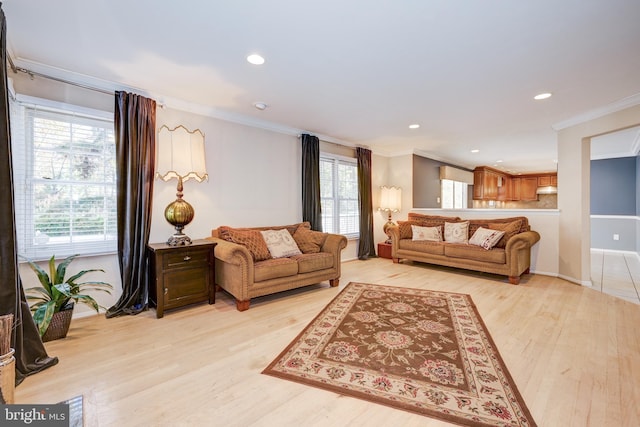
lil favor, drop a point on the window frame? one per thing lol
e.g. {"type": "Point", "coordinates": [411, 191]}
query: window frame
{"type": "Point", "coordinates": [336, 160]}
{"type": "Point", "coordinates": [464, 198]}
{"type": "Point", "coordinates": [23, 162]}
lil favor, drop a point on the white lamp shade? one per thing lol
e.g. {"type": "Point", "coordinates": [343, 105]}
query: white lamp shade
{"type": "Point", "coordinates": [180, 154]}
{"type": "Point", "coordinates": [391, 199]}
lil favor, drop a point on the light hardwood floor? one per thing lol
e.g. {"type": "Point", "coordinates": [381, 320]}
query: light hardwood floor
{"type": "Point", "coordinates": [617, 274]}
{"type": "Point", "coordinates": [573, 352]}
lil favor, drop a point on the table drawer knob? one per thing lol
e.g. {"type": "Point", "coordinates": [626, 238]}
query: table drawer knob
{"type": "Point", "coordinates": [187, 258]}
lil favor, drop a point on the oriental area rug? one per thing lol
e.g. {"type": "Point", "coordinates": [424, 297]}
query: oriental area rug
{"type": "Point", "coordinates": [422, 351]}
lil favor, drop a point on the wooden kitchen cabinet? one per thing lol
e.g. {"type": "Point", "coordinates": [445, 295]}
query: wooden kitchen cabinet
{"type": "Point", "coordinates": [490, 184]}
{"type": "Point", "coordinates": [528, 188]}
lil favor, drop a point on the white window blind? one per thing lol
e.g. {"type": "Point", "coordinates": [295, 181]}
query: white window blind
{"type": "Point", "coordinates": [64, 179]}
{"type": "Point", "coordinates": [339, 195]}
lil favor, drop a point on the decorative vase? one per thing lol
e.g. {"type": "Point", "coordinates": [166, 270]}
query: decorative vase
{"type": "Point", "coordinates": [59, 325]}
{"type": "Point", "coordinates": [7, 377]}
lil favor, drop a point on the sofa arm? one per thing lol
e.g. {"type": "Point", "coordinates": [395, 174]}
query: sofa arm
{"type": "Point", "coordinates": [522, 240]}
{"type": "Point", "coordinates": [334, 243]}
{"type": "Point", "coordinates": [234, 268]}
{"type": "Point", "coordinates": [518, 254]}
{"type": "Point", "coordinates": [394, 234]}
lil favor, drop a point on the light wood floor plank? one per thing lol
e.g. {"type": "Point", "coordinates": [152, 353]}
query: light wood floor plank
{"type": "Point", "coordinates": [572, 351]}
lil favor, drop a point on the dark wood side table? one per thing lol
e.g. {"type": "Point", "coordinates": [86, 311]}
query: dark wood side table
{"type": "Point", "coordinates": [384, 250]}
{"type": "Point", "coordinates": [181, 275]}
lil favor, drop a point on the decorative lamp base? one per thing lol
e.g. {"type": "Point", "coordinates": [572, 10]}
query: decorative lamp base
{"type": "Point", "coordinates": [179, 240]}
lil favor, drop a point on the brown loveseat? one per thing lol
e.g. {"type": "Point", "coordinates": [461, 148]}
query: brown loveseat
{"type": "Point", "coordinates": [245, 268]}
{"type": "Point", "coordinates": [510, 257]}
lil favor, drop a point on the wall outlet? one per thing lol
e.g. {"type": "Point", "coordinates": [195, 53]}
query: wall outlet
{"type": "Point", "coordinates": [616, 237]}
{"type": "Point", "coordinates": [437, 199]}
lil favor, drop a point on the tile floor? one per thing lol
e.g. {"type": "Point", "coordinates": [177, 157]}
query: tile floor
{"type": "Point", "coordinates": [616, 273]}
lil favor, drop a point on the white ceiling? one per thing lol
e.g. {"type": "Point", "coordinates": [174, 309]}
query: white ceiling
{"type": "Point", "coordinates": [357, 72]}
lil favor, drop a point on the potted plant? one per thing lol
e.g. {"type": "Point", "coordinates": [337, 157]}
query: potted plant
{"type": "Point", "coordinates": [54, 300]}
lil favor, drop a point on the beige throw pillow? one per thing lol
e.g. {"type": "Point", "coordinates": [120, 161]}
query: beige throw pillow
{"type": "Point", "coordinates": [486, 238]}
{"type": "Point", "coordinates": [433, 234]}
{"type": "Point", "coordinates": [456, 232]}
{"type": "Point", "coordinates": [280, 243]}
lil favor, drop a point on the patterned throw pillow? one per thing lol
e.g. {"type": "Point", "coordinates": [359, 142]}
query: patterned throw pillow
{"type": "Point", "coordinates": [456, 232]}
{"type": "Point", "coordinates": [433, 234]}
{"type": "Point", "coordinates": [251, 239]}
{"type": "Point", "coordinates": [486, 238]}
{"type": "Point", "coordinates": [280, 243]}
{"type": "Point", "coordinates": [510, 229]}
{"type": "Point", "coordinates": [309, 241]}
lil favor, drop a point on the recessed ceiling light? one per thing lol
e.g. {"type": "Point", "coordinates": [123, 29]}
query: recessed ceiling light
{"type": "Point", "coordinates": [540, 96]}
{"type": "Point", "coordinates": [255, 59]}
{"type": "Point", "coordinates": [414, 126]}
{"type": "Point", "coordinates": [260, 105]}
{"type": "Point", "coordinates": [498, 161]}
{"type": "Point", "coordinates": [475, 151]}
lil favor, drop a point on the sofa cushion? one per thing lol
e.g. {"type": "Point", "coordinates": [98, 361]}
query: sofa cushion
{"type": "Point", "coordinates": [458, 250]}
{"type": "Point", "coordinates": [313, 262]}
{"type": "Point", "coordinates": [309, 241]}
{"type": "Point", "coordinates": [456, 232]}
{"type": "Point", "coordinates": [274, 268]}
{"type": "Point", "coordinates": [280, 243]}
{"type": "Point", "coordinates": [425, 246]}
{"type": "Point", "coordinates": [433, 234]}
{"type": "Point", "coordinates": [486, 238]}
{"type": "Point", "coordinates": [510, 229]}
{"type": "Point", "coordinates": [251, 239]}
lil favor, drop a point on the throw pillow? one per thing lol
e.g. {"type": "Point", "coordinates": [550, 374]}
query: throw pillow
{"type": "Point", "coordinates": [251, 239]}
{"type": "Point", "coordinates": [433, 234]}
{"type": "Point", "coordinates": [280, 243]}
{"type": "Point", "coordinates": [510, 229]}
{"type": "Point", "coordinates": [486, 238]}
{"type": "Point", "coordinates": [456, 232]}
{"type": "Point", "coordinates": [309, 241]}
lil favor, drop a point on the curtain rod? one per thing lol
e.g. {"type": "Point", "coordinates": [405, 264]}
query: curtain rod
{"type": "Point", "coordinates": [17, 69]}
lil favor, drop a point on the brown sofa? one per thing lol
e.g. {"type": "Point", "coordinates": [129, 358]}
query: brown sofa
{"type": "Point", "coordinates": [245, 271]}
{"type": "Point", "coordinates": [510, 257]}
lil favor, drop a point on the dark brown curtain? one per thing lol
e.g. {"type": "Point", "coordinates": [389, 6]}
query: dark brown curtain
{"type": "Point", "coordinates": [366, 247]}
{"type": "Point", "coordinates": [135, 131]}
{"type": "Point", "coordinates": [30, 354]}
{"type": "Point", "coordinates": [311, 210]}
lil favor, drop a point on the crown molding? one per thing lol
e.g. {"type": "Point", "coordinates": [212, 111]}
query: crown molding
{"type": "Point", "coordinates": [619, 105]}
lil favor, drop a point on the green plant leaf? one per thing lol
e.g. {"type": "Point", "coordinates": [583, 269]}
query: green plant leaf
{"type": "Point", "coordinates": [52, 270]}
{"type": "Point", "coordinates": [73, 278]}
{"type": "Point", "coordinates": [87, 300]}
{"type": "Point", "coordinates": [62, 269]}
{"type": "Point", "coordinates": [43, 316]}
{"type": "Point", "coordinates": [43, 277]}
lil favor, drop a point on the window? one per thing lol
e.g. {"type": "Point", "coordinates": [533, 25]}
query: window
{"type": "Point", "coordinates": [65, 179]}
{"type": "Point", "coordinates": [339, 195]}
{"type": "Point", "coordinates": [454, 194]}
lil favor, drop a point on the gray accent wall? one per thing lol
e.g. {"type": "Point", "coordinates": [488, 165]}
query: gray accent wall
{"type": "Point", "coordinates": [638, 186]}
{"type": "Point", "coordinates": [614, 186]}
{"type": "Point", "coordinates": [426, 183]}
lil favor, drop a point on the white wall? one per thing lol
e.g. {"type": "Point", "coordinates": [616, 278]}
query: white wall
{"type": "Point", "coordinates": [254, 178]}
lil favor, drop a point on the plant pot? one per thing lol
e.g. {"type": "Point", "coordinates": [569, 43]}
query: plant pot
{"type": "Point", "coordinates": [59, 325]}
{"type": "Point", "coordinates": [7, 377]}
